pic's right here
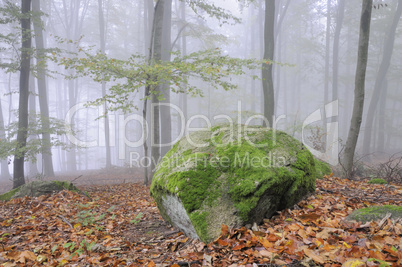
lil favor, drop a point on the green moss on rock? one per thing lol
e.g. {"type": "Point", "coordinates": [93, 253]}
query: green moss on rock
{"type": "Point", "coordinates": [322, 168]}
{"type": "Point", "coordinates": [375, 213]}
{"type": "Point", "coordinates": [232, 176]}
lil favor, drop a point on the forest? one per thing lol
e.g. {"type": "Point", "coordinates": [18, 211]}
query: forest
{"type": "Point", "coordinates": [140, 112]}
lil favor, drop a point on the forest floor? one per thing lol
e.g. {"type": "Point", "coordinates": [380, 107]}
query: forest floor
{"type": "Point", "coordinates": [119, 225]}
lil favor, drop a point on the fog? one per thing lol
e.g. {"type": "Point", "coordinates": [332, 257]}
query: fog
{"type": "Point", "coordinates": [312, 102]}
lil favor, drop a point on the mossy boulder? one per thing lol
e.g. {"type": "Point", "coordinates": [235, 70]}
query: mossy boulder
{"type": "Point", "coordinates": [322, 168]}
{"type": "Point", "coordinates": [231, 175]}
{"type": "Point", "coordinates": [38, 188]}
{"type": "Point", "coordinates": [375, 213]}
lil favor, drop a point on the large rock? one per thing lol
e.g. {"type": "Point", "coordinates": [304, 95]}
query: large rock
{"type": "Point", "coordinates": [230, 175]}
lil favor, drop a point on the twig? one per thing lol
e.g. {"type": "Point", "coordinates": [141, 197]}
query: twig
{"type": "Point", "coordinates": [76, 178]}
{"type": "Point", "coordinates": [65, 220]}
{"type": "Point", "coordinates": [384, 220]}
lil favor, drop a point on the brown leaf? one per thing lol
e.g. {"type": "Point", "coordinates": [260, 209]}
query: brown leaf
{"type": "Point", "coordinates": [312, 255]}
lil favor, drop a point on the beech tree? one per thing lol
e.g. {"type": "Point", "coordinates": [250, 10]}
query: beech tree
{"type": "Point", "coordinates": [380, 82]}
{"type": "Point", "coordinates": [42, 90]}
{"type": "Point", "coordinates": [269, 44]}
{"type": "Point", "coordinates": [360, 77]}
{"type": "Point", "coordinates": [25, 69]}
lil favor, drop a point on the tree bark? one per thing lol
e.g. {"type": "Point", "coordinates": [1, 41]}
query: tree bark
{"type": "Point", "coordinates": [379, 82]}
{"type": "Point", "coordinates": [5, 172]}
{"type": "Point", "coordinates": [183, 96]}
{"type": "Point", "coordinates": [32, 166]}
{"type": "Point", "coordinates": [267, 79]}
{"type": "Point", "coordinates": [327, 52]}
{"type": "Point", "coordinates": [166, 119]}
{"type": "Point", "coordinates": [105, 110]}
{"type": "Point", "coordinates": [157, 57]}
{"type": "Point", "coordinates": [381, 118]}
{"type": "Point", "coordinates": [25, 67]}
{"type": "Point", "coordinates": [358, 104]}
{"type": "Point", "coordinates": [335, 56]}
{"type": "Point", "coordinates": [42, 91]}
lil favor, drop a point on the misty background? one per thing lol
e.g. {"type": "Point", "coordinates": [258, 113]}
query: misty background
{"type": "Point", "coordinates": [306, 38]}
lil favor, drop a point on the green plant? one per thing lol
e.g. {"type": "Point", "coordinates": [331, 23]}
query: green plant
{"type": "Point", "coordinates": [382, 263]}
{"type": "Point", "coordinates": [84, 246]}
{"type": "Point", "coordinates": [377, 181]}
{"type": "Point", "coordinates": [137, 218]}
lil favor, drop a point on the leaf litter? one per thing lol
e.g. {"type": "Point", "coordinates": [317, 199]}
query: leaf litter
{"type": "Point", "coordinates": [120, 225]}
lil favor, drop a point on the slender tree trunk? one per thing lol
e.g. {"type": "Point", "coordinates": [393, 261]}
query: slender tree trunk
{"type": "Point", "coordinates": [32, 166]}
{"type": "Point", "coordinates": [327, 52]}
{"type": "Point", "coordinates": [166, 119]}
{"type": "Point", "coordinates": [156, 57]}
{"type": "Point", "coordinates": [149, 33]}
{"type": "Point", "coordinates": [382, 118]}
{"type": "Point", "coordinates": [335, 56]}
{"type": "Point", "coordinates": [261, 22]}
{"type": "Point", "coordinates": [42, 91]}
{"type": "Point", "coordinates": [19, 158]}
{"type": "Point", "coordinates": [267, 79]}
{"type": "Point", "coordinates": [379, 82]}
{"type": "Point", "coordinates": [5, 172]}
{"type": "Point", "coordinates": [253, 104]}
{"type": "Point", "coordinates": [105, 110]}
{"type": "Point", "coordinates": [358, 104]}
{"type": "Point", "coordinates": [183, 96]}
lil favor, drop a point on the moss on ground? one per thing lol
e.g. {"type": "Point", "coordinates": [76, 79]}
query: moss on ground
{"type": "Point", "coordinates": [37, 188]}
{"type": "Point", "coordinates": [251, 162]}
{"type": "Point", "coordinates": [375, 213]}
{"type": "Point", "coordinates": [377, 181]}
{"type": "Point", "coordinates": [322, 168]}
{"type": "Point", "coordinates": [7, 196]}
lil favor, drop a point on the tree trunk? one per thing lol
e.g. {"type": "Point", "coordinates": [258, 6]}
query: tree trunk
{"type": "Point", "coordinates": [32, 166]}
{"type": "Point", "coordinates": [5, 172]}
{"type": "Point", "coordinates": [166, 119]}
{"type": "Point", "coordinates": [358, 104]}
{"type": "Point", "coordinates": [335, 59]}
{"type": "Point", "coordinates": [267, 79]}
{"type": "Point", "coordinates": [19, 178]}
{"type": "Point", "coordinates": [382, 118]}
{"type": "Point", "coordinates": [183, 96]}
{"type": "Point", "coordinates": [105, 110]}
{"type": "Point", "coordinates": [42, 91]}
{"type": "Point", "coordinates": [157, 57]}
{"type": "Point", "coordinates": [379, 82]}
{"type": "Point", "coordinates": [327, 50]}
{"type": "Point", "coordinates": [149, 33]}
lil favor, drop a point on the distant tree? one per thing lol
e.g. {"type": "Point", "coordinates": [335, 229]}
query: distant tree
{"type": "Point", "coordinates": [156, 58]}
{"type": "Point", "coordinates": [335, 56]}
{"type": "Point", "coordinates": [102, 37]}
{"type": "Point", "coordinates": [327, 53]}
{"type": "Point", "coordinates": [42, 89]}
{"type": "Point", "coordinates": [380, 81]}
{"type": "Point", "coordinates": [25, 66]}
{"type": "Point", "coordinates": [269, 44]}
{"type": "Point", "coordinates": [165, 114]}
{"type": "Point", "coordinates": [5, 172]}
{"type": "Point", "coordinates": [358, 104]}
